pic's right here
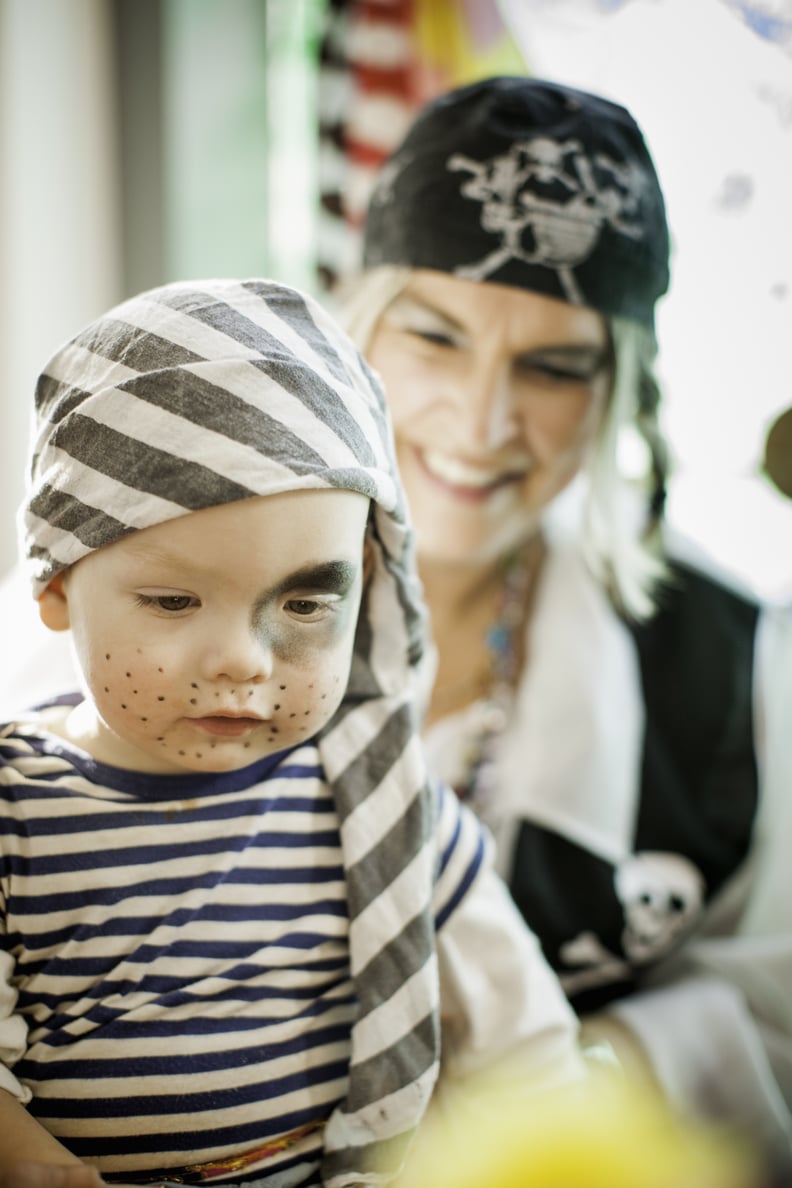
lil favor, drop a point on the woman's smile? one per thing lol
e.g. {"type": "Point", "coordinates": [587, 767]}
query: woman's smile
{"type": "Point", "coordinates": [467, 479]}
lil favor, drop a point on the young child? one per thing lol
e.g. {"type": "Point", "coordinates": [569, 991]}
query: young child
{"type": "Point", "coordinates": [237, 916]}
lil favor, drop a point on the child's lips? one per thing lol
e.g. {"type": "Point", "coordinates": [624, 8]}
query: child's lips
{"type": "Point", "coordinates": [227, 726]}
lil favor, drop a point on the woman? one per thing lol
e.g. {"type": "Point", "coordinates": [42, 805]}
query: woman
{"type": "Point", "coordinates": [610, 710]}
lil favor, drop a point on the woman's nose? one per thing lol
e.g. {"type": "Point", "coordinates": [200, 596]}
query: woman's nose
{"type": "Point", "coordinates": [488, 419]}
{"type": "Point", "coordinates": [237, 652]}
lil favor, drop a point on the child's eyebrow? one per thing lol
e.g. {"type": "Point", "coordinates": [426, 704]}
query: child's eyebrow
{"type": "Point", "coordinates": [333, 577]}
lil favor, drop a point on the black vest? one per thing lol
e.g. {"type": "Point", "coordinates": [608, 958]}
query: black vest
{"type": "Point", "coordinates": [602, 927]}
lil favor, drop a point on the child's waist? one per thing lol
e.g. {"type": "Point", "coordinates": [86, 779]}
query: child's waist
{"type": "Point", "coordinates": [238, 1165]}
{"type": "Point", "coordinates": [197, 1125]}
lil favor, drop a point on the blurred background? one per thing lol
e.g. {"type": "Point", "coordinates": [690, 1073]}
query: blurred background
{"type": "Point", "coordinates": [143, 141]}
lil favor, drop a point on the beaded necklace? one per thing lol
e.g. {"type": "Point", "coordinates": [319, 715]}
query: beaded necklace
{"type": "Point", "coordinates": [491, 712]}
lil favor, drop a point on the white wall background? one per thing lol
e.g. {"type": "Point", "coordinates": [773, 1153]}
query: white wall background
{"type": "Point", "coordinates": [215, 175]}
{"type": "Point", "coordinates": [59, 255]}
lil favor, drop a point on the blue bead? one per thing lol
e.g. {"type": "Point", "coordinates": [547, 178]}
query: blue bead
{"type": "Point", "coordinates": [498, 638]}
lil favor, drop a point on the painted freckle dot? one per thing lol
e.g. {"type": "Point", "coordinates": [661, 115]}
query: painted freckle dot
{"type": "Point", "coordinates": [122, 705]}
{"type": "Point", "coordinates": [292, 715]}
{"type": "Point", "coordinates": [182, 752]}
{"type": "Point", "coordinates": [160, 698]}
{"type": "Point", "coordinates": [160, 670]}
{"type": "Point", "coordinates": [277, 706]}
{"type": "Point", "coordinates": [107, 655]}
{"type": "Point", "coordinates": [193, 701]}
{"type": "Point", "coordinates": [129, 674]}
{"type": "Point", "coordinates": [144, 719]}
{"type": "Point", "coordinates": [106, 689]}
{"type": "Point", "coordinates": [274, 729]}
{"type": "Point", "coordinates": [246, 745]}
{"type": "Point", "coordinates": [193, 685]}
{"type": "Point", "coordinates": [281, 687]}
{"type": "Point", "coordinates": [199, 754]}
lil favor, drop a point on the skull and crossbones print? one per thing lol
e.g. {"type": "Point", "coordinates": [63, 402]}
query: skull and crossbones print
{"type": "Point", "coordinates": [661, 895]}
{"type": "Point", "coordinates": [548, 202]}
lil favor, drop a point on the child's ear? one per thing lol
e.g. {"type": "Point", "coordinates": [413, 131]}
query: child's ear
{"type": "Point", "coordinates": [54, 605]}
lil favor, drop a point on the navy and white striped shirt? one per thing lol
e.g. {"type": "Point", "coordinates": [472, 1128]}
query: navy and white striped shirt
{"type": "Point", "coordinates": [179, 948]}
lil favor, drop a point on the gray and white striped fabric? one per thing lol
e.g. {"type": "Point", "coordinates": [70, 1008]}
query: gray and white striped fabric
{"type": "Point", "coordinates": [204, 393]}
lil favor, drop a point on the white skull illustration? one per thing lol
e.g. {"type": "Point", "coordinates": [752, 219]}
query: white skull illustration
{"type": "Point", "coordinates": [565, 227]}
{"type": "Point", "coordinates": [661, 893]}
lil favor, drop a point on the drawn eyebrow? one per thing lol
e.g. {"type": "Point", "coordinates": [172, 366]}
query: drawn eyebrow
{"type": "Point", "coordinates": [331, 577]}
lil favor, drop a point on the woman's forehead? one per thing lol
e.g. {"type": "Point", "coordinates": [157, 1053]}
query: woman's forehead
{"type": "Point", "coordinates": [475, 307]}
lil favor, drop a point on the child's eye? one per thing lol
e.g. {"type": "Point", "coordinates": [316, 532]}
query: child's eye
{"type": "Point", "coordinates": [308, 608]}
{"type": "Point", "coordinates": [171, 603]}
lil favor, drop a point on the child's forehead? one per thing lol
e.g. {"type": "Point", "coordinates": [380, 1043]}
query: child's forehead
{"type": "Point", "coordinates": [288, 527]}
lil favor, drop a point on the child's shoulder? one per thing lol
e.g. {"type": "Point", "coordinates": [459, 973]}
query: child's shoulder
{"type": "Point", "coordinates": [37, 723]}
{"type": "Point", "coordinates": [30, 746]}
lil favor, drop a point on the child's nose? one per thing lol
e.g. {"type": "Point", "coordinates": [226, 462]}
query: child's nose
{"type": "Point", "coordinates": [238, 653]}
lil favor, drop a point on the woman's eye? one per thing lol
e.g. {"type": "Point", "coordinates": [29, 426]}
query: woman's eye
{"type": "Point", "coordinates": [583, 370]}
{"type": "Point", "coordinates": [171, 603]}
{"type": "Point", "coordinates": [435, 338]}
{"type": "Point", "coordinates": [561, 375]}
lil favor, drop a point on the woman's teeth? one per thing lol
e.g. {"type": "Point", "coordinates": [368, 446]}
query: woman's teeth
{"type": "Point", "coordinates": [461, 474]}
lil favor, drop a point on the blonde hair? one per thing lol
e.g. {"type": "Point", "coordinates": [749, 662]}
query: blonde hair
{"type": "Point", "coordinates": [624, 556]}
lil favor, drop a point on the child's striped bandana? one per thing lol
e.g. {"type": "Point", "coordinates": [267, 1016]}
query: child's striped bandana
{"type": "Point", "coordinates": [203, 393]}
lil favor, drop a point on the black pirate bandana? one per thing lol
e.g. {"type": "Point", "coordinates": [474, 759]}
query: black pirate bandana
{"type": "Point", "coordinates": [527, 183]}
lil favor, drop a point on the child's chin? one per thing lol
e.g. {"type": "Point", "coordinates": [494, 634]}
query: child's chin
{"type": "Point", "coordinates": [209, 761]}
{"type": "Point", "coordinates": [225, 758]}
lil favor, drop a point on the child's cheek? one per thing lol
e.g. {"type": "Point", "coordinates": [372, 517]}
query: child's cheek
{"type": "Point", "coordinates": [308, 644]}
{"type": "Point", "coordinates": [315, 666]}
{"type": "Point", "coordinates": [133, 691]}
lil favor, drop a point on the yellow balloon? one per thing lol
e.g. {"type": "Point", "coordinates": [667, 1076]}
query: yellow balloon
{"type": "Point", "coordinates": [610, 1134]}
